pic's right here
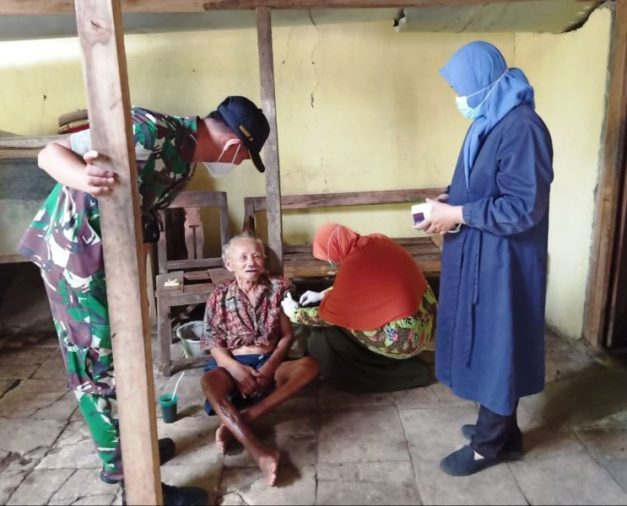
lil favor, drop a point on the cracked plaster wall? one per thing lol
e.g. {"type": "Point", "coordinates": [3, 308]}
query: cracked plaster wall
{"type": "Point", "coordinates": [359, 107]}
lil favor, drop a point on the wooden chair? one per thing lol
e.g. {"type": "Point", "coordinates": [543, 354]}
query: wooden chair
{"type": "Point", "coordinates": [175, 282]}
{"type": "Point", "coordinates": [298, 261]}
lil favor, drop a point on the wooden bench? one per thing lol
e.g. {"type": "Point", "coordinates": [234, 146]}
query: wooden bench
{"type": "Point", "coordinates": [298, 261]}
{"type": "Point", "coordinates": [195, 275]}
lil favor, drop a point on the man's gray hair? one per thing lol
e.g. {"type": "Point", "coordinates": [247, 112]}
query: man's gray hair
{"type": "Point", "coordinates": [226, 249]}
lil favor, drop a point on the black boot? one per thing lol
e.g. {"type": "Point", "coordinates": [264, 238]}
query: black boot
{"type": "Point", "coordinates": [184, 496]}
{"type": "Point", "coordinates": [178, 496]}
{"type": "Point", "coordinates": [167, 448]}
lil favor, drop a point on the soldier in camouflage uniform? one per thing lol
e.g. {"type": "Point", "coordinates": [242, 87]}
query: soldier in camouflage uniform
{"type": "Point", "coordinates": [64, 239]}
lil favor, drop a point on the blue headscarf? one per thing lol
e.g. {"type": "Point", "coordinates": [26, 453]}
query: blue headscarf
{"type": "Point", "coordinates": [480, 66]}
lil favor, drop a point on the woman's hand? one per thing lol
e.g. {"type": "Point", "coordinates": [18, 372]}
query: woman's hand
{"type": "Point", "coordinates": [444, 218]}
{"type": "Point", "coordinates": [310, 297]}
{"type": "Point", "coordinates": [289, 305]}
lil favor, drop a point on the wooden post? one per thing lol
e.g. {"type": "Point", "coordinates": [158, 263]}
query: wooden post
{"type": "Point", "coordinates": [271, 148]}
{"type": "Point", "coordinates": [100, 32]}
{"type": "Point", "coordinates": [606, 224]}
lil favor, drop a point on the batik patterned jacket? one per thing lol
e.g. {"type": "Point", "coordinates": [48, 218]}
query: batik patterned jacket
{"type": "Point", "coordinates": [399, 339]}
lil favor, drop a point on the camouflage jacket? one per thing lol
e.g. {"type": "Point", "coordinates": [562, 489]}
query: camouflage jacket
{"type": "Point", "coordinates": [64, 237]}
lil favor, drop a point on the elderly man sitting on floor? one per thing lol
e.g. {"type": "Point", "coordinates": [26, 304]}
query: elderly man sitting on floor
{"type": "Point", "coordinates": [248, 336]}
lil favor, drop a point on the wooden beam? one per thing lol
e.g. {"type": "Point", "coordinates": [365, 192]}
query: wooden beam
{"type": "Point", "coordinates": [271, 148]}
{"type": "Point", "coordinates": [51, 7]}
{"type": "Point", "coordinates": [99, 24]}
{"type": "Point", "coordinates": [608, 198]}
{"type": "Point", "coordinates": [316, 200]}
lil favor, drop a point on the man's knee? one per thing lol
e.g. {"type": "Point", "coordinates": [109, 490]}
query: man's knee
{"type": "Point", "coordinates": [309, 367]}
{"type": "Point", "coordinates": [214, 383]}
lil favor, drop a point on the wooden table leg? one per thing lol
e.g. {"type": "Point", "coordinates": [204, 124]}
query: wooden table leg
{"type": "Point", "coordinates": [164, 338]}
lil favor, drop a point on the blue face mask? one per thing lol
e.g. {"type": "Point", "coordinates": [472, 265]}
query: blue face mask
{"type": "Point", "coordinates": [473, 112]}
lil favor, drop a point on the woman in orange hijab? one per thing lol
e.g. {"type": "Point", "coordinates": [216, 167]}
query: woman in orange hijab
{"type": "Point", "coordinates": [375, 319]}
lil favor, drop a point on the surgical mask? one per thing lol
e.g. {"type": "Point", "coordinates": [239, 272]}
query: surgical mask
{"type": "Point", "coordinates": [218, 168]}
{"type": "Point", "coordinates": [473, 112]}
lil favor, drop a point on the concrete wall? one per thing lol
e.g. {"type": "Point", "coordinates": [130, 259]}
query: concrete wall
{"type": "Point", "coordinates": [359, 107]}
{"type": "Point", "coordinates": [569, 74]}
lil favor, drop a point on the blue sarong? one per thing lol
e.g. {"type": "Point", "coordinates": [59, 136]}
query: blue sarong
{"type": "Point", "coordinates": [235, 398]}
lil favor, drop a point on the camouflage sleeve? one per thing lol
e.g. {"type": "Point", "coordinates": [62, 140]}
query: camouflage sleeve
{"type": "Point", "coordinates": [145, 126]}
{"type": "Point", "coordinates": [214, 331]}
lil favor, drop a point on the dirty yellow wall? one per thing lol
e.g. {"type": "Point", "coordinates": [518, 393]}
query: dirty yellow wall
{"type": "Point", "coordinates": [359, 107]}
{"type": "Point", "coordinates": [569, 74]}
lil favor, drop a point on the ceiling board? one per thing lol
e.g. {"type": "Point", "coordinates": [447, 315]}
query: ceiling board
{"type": "Point", "coordinates": [555, 16]}
{"type": "Point", "coordinates": [524, 15]}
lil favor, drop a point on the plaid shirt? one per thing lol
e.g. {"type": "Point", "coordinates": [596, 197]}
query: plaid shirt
{"type": "Point", "coordinates": [231, 320]}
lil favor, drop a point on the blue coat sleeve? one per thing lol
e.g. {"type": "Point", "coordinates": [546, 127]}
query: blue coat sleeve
{"type": "Point", "coordinates": [523, 177]}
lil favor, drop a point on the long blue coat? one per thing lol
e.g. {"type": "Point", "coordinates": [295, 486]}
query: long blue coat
{"type": "Point", "coordinates": [490, 330]}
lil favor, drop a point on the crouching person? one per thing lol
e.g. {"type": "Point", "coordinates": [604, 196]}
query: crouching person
{"type": "Point", "coordinates": [248, 336]}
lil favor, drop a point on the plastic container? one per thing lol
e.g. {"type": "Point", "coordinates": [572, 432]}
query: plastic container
{"type": "Point", "coordinates": [168, 403]}
{"type": "Point", "coordinates": [189, 334]}
{"type": "Point", "coordinates": [421, 212]}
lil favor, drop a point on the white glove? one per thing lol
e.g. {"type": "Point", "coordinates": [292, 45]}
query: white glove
{"type": "Point", "coordinates": [310, 297]}
{"type": "Point", "coordinates": [289, 305]}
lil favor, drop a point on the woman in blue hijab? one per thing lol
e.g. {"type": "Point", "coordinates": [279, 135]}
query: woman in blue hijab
{"type": "Point", "coordinates": [490, 328]}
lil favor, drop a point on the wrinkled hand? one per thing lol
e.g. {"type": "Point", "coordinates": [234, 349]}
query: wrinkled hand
{"type": "Point", "coordinates": [310, 297]}
{"type": "Point", "coordinates": [98, 181]}
{"type": "Point", "coordinates": [245, 378]}
{"type": "Point", "coordinates": [289, 305]}
{"type": "Point", "coordinates": [443, 219]}
{"type": "Point", "coordinates": [265, 378]}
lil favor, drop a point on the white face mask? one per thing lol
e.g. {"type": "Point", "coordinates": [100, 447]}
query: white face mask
{"type": "Point", "coordinates": [218, 168]}
{"type": "Point", "coordinates": [473, 112]}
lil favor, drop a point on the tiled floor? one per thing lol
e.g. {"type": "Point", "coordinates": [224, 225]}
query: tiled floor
{"type": "Point", "coordinates": [336, 448]}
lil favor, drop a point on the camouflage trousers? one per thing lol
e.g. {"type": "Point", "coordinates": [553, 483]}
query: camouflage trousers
{"type": "Point", "coordinates": [81, 320]}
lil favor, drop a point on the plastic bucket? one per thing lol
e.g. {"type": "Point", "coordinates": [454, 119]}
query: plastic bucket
{"type": "Point", "coordinates": [189, 335]}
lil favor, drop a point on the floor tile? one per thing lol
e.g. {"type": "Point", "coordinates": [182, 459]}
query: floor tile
{"type": "Point", "coordinates": [39, 486]}
{"type": "Point", "coordinates": [347, 492]}
{"type": "Point", "coordinates": [362, 435]}
{"type": "Point", "coordinates": [567, 479]}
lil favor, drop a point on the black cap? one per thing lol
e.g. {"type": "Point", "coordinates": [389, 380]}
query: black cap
{"type": "Point", "coordinates": [249, 123]}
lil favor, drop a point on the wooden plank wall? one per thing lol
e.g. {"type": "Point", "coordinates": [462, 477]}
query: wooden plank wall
{"type": "Point", "coordinates": [600, 291]}
{"type": "Point", "coordinates": [617, 144]}
{"type": "Point", "coordinates": [100, 33]}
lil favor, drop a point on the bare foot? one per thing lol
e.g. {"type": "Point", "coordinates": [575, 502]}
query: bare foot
{"type": "Point", "coordinates": [223, 437]}
{"type": "Point", "coordinates": [269, 465]}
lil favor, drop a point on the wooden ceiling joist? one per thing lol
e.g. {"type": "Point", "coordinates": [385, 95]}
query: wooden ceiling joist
{"type": "Point", "coordinates": [52, 7]}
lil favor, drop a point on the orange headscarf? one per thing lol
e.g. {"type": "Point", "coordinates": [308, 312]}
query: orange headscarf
{"type": "Point", "coordinates": [378, 281]}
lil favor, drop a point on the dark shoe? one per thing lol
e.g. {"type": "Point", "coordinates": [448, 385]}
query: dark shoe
{"type": "Point", "coordinates": [178, 496]}
{"type": "Point", "coordinates": [184, 496]}
{"type": "Point", "coordinates": [469, 431]}
{"type": "Point", "coordinates": [463, 462]}
{"type": "Point", "coordinates": [167, 448]}
{"type": "Point", "coordinates": [512, 450]}
{"type": "Point", "coordinates": [111, 478]}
